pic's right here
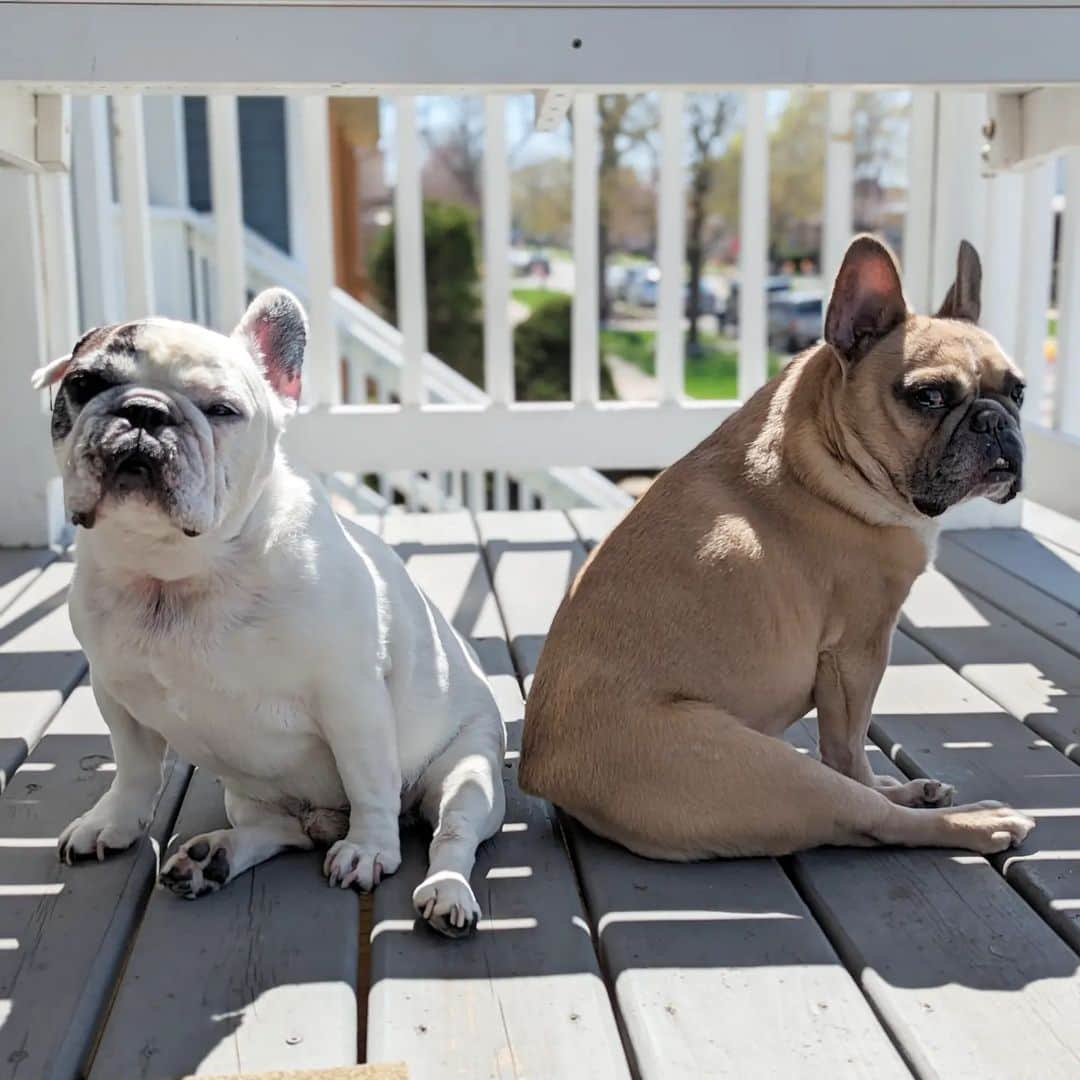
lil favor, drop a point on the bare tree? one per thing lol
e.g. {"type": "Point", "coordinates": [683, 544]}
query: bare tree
{"type": "Point", "coordinates": [708, 118]}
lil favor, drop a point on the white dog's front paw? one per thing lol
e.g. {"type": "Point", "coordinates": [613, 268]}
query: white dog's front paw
{"type": "Point", "coordinates": [199, 867]}
{"type": "Point", "coordinates": [445, 901]}
{"type": "Point", "coordinates": [363, 865]}
{"type": "Point", "coordinates": [98, 832]}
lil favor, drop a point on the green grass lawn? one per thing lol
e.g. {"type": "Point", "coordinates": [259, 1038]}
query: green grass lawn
{"type": "Point", "coordinates": [534, 298]}
{"type": "Point", "coordinates": [711, 376]}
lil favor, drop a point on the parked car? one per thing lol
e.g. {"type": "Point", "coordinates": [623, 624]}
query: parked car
{"type": "Point", "coordinates": [795, 320]}
{"type": "Point", "coordinates": [644, 289]}
{"type": "Point", "coordinates": [524, 263]}
{"type": "Point", "coordinates": [777, 283]}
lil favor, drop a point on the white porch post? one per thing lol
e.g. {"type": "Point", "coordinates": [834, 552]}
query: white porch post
{"type": "Point", "coordinates": [585, 330]}
{"type": "Point", "coordinates": [498, 341]}
{"type": "Point", "coordinates": [671, 249]}
{"type": "Point", "coordinates": [753, 247]}
{"type": "Point", "coordinates": [1067, 392]}
{"type": "Point", "coordinates": [24, 430]}
{"type": "Point", "coordinates": [409, 253]}
{"type": "Point", "coordinates": [324, 379]}
{"type": "Point", "coordinates": [99, 292]}
{"type": "Point", "coordinates": [139, 300]}
{"type": "Point", "coordinates": [1033, 287]}
{"type": "Point", "coordinates": [230, 289]}
{"type": "Point", "coordinates": [839, 183]}
{"type": "Point", "coordinates": [1001, 257]}
{"type": "Point", "coordinates": [919, 219]}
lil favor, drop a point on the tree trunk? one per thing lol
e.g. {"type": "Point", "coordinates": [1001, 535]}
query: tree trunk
{"type": "Point", "coordinates": [695, 257]}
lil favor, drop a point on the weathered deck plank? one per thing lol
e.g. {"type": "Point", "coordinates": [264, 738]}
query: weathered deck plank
{"type": "Point", "coordinates": [40, 662]}
{"type": "Point", "coordinates": [19, 567]}
{"type": "Point", "coordinates": [1040, 562]}
{"type": "Point", "coordinates": [524, 996]}
{"type": "Point", "coordinates": [66, 929]}
{"type": "Point", "coordinates": [714, 965]}
{"type": "Point", "coordinates": [937, 724]}
{"type": "Point", "coordinates": [1029, 676]}
{"type": "Point", "coordinates": [1036, 609]}
{"type": "Point", "coordinates": [259, 976]}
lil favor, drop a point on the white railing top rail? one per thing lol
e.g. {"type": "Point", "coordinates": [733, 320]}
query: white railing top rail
{"type": "Point", "coordinates": [362, 46]}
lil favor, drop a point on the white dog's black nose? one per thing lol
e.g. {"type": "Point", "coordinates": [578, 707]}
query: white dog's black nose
{"type": "Point", "coordinates": [148, 413]}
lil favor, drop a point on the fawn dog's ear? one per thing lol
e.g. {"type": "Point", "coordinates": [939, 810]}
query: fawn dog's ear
{"type": "Point", "coordinates": [964, 298]}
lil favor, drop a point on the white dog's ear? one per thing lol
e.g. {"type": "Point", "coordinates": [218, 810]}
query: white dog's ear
{"type": "Point", "coordinates": [50, 373]}
{"type": "Point", "coordinates": [274, 330]}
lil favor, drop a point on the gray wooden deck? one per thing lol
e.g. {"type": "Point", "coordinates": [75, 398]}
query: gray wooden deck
{"type": "Point", "coordinates": [589, 962]}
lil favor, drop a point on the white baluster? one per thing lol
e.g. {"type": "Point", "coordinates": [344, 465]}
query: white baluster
{"type": "Point", "coordinates": [1033, 285]}
{"type": "Point", "coordinates": [1001, 256]}
{"type": "Point", "coordinates": [323, 378]}
{"type": "Point", "coordinates": [409, 254]}
{"type": "Point", "coordinates": [919, 217]}
{"type": "Point", "coordinates": [753, 246]}
{"type": "Point", "coordinates": [502, 490]}
{"type": "Point", "coordinates": [139, 298]}
{"type": "Point", "coordinates": [498, 343]}
{"type": "Point", "coordinates": [671, 248]}
{"type": "Point", "coordinates": [839, 183]}
{"type": "Point", "coordinates": [1067, 392]}
{"type": "Point", "coordinates": [230, 293]}
{"type": "Point", "coordinates": [585, 335]}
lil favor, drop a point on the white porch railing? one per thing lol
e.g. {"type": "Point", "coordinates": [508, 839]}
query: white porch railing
{"type": "Point", "coordinates": [451, 431]}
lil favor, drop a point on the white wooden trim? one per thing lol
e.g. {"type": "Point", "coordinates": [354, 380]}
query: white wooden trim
{"type": "Point", "coordinates": [551, 108]}
{"type": "Point", "coordinates": [1001, 257]}
{"type": "Point", "coordinates": [17, 127]}
{"type": "Point", "coordinates": [753, 246]}
{"type": "Point", "coordinates": [325, 47]}
{"type": "Point", "coordinates": [99, 293]}
{"type": "Point", "coordinates": [323, 376]}
{"type": "Point", "coordinates": [1067, 392]}
{"type": "Point", "coordinates": [671, 248]}
{"type": "Point", "coordinates": [501, 485]}
{"type": "Point", "coordinates": [223, 133]}
{"type": "Point", "coordinates": [524, 436]}
{"type": "Point", "coordinates": [24, 423]}
{"type": "Point", "coordinates": [166, 150]}
{"type": "Point", "coordinates": [919, 217]}
{"type": "Point", "coordinates": [61, 299]}
{"type": "Point", "coordinates": [139, 300]}
{"type": "Point", "coordinates": [294, 163]}
{"type": "Point", "coordinates": [498, 342]}
{"type": "Point", "coordinates": [839, 182]}
{"type": "Point", "coordinates": [1033, 125]}
{"type": "Point", "coordinates": [409, 252]}
{"type": "Point", "coordinates": [1033, 285]}
{"type": "Point", "coordinates": [960, 194]}
{"type": "Point", "coordinates": [585, 333]}
{"type": "Point", "coordinates": [52, 137]}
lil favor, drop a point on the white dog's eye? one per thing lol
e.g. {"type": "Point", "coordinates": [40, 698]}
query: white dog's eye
{"type": "Point", "coordinates": [220, 409]}
{"type": "Point", "coordinates": [929, 397]}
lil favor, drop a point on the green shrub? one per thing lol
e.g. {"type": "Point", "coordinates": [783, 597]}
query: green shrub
{"type": "Point", "coordinates": [451, 274]}
{"type": "Point", "coordinates": [542, 354]}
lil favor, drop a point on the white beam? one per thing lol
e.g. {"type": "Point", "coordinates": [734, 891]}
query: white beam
{"type": "Point", "coordinates": [839, 182]}
{"type": "Point", "coordinates": [230, 288]}
{"type": "Point", "coordinates": [413, 47]}
{"type": "Point", "coordinates": [409, 253]}
{"type": "Point", "coordinates": [99, 292]}
{"type": "Point", "coordinates": [671, 248]}
{"type": "Point", "coordinates": [139, 298]}
{"type": "Point", "coordinates": [585, 331]}
{"type": "Point", "coordinates": [324, 375]}
{"type": "Point", "coordinates": [498, 341]}
{"type": "Point", "coordinates": [1067, 392]}
{"type": "Point", "coordinates": [24, 423]}
{"type": "Point", "coordinates": [1033, 286]}
{"type": "Point", "coordinates": [919, 216]}
{"type": "Point", "coordinates": [753, 246]}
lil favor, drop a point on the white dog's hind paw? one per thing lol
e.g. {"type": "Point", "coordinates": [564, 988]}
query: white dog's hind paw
{"type": "Point", "coordinates": [445, 901]}
{"type": "Point", "coordinates": [201, 866]}
{"type": "Point", "coordinates": [97, 834]}
{"type": "Point", "coordinates": [362, 865]}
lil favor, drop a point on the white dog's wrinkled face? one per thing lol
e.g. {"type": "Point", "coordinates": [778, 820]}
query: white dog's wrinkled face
{"type": "Point", "coordinates": [168, 428]}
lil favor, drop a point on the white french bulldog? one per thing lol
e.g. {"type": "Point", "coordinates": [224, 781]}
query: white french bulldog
{"type": "Point", "coordinates": [226, 612]}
